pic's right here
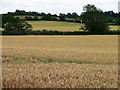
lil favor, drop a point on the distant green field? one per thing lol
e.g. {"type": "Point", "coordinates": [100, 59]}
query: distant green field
{"type": "Point", "coordinates": [55, 25]}
{"type": "Point", "coordinates": [60, 26]}
{"type": "Point", "coordinates": [114, 27]}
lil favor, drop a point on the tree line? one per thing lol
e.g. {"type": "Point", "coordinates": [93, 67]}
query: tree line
{"type": "Point", "coordinates": [71, 17]}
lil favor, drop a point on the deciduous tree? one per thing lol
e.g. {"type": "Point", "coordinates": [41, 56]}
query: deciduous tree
{"type": "Point", "coordinates": [10, 23]}
{"type": "Point", "coordinates": [94, 19]}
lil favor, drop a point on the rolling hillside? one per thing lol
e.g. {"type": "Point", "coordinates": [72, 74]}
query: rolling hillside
{"type": "Point", "coordinates": [60, 26]}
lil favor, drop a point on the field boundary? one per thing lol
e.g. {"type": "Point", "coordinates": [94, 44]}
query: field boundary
{"type": "Point", "coordinates": [51, 32]}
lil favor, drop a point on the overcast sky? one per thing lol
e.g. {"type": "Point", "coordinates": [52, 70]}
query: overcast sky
{"type": "Point", "coordinates": [56, 6]}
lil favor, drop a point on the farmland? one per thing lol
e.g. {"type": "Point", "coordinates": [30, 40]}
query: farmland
{"type": "Point", "coordinates": [55, 25]}
{"type": "Point", "coordinates": [60, 61]}
{"type": "Point", "coordinates": [60, 26]}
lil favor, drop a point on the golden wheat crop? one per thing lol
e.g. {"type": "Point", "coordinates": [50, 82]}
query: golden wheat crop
{"type": "Point", "coordinates": [60, 61]}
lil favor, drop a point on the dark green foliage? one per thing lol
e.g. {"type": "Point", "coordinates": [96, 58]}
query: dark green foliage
{"type": "Point", "coordinates": [46, 32]}
{"type": "Point", "coordinates": [112, 17]}
{"type": "Point", "coordinates": [62, 17]}
{"type": "Point", "coordinates": [28, 18]}
{"type": "Point", "coordinates": [27, 32]}
{"type": "Point", "coordinates": [118, 21]}
{"type": "Point", "coordinates": [47, 17]}
{"type": "Point", "coordinates": [14, 24]}
{"type": "Point", "coordinates": [94, 19]}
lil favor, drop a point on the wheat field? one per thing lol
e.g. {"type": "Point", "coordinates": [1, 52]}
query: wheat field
{"type": "Point", "coordinates": [60, 61]}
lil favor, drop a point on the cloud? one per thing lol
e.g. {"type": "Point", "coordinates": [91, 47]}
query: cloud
{"type": "Point", "coordinates": [56, 6]}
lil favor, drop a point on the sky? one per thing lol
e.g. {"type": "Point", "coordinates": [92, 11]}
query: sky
{"type": "Point", "coordinates": [56, 6]}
